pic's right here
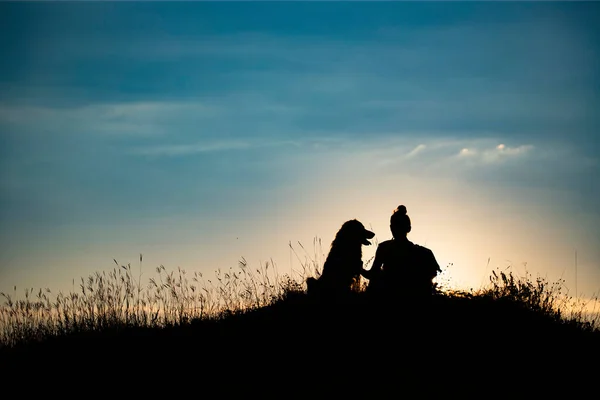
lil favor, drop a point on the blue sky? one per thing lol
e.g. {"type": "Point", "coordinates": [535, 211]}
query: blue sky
{"type": "Point", "coordinates": [199, 133]}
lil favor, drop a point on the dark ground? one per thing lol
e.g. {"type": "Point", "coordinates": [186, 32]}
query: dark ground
{"type": "Point", "coordinates": [446, 345]}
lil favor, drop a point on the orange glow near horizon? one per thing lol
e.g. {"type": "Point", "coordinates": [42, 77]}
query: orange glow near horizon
{"type": "Point", "coordinates": [462, 227]}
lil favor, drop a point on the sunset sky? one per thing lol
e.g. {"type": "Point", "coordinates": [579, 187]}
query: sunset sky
{"type": "Point", "coordinates": [200, 133]}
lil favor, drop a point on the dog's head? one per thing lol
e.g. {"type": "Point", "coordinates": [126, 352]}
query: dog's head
{"type": "Point", "coordinates": [355, 231]}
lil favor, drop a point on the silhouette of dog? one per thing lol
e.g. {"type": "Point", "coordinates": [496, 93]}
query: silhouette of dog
{"type": "Point", "coordinates": [343, 264]}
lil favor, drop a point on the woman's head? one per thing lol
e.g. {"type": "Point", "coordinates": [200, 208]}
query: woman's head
{"type": "Point", "coordinates": [400, 222]}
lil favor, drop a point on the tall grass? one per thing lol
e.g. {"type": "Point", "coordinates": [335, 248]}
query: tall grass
{"type": "Point", "coordinates": [549, 299]}
{"type": "Point", "coordinates": [119, 299]}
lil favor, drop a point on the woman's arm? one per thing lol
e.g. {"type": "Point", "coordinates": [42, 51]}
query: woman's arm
{"type": "Point", "coordinates": [376, 267]}
{"type": "Point", "coordinates": [433, 265]}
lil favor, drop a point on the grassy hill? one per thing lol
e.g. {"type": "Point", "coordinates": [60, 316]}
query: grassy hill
{"type": "Point", "coordinates": [272, 329]}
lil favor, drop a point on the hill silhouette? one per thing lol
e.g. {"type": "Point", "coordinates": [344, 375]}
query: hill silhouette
{"type": "Point", "coordinates": [345, 346]}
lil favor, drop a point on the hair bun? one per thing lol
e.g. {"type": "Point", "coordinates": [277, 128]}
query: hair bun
{"type": "Point", "coordinates": [400, 209]}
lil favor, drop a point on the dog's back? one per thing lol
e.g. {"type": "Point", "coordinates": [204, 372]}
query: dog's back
{"type": "Point", "coordinates": [342, 268]}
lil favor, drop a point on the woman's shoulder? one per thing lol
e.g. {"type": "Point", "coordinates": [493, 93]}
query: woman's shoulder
{"type": "Point", "coordinates": [422, 249]}
{"type": "Point", "coordinates": [384, 248]}
{"type": "Point", "coordinates": [386, 244]}
{"type": "Point", "coordinates": [426, 254]}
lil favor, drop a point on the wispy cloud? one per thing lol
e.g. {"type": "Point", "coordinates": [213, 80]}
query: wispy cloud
{"type": "Point", "coordinates": [188, 149]}
{"type": "Point", "coordinates": [467, 159]}
{"type": "Point", "coordinates": [403, 149]}
{"type": "Point", "coordinates": [416, 150]}
{"type": "Point", "coordinates": [497, 154]}
{"type": "Point", "coordinates": [137, 118]}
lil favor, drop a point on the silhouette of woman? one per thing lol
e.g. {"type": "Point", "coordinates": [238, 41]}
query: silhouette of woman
{"type": "Point", "coordinates": [401, 269]}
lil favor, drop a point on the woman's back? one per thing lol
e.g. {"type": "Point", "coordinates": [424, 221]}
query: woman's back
{"type": "Point", "coordinates": [407, 269]}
